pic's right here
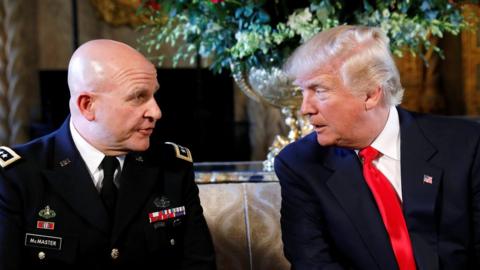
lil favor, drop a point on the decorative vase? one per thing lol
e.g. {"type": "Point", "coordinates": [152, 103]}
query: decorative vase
{"type": "Point", "coordinates": [273, 87]}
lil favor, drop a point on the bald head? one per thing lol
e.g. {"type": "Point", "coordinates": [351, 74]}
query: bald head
{"type": "Point", "coordinates": [99, 61]}
{"type": "Point", "coordinates": [112, 102]}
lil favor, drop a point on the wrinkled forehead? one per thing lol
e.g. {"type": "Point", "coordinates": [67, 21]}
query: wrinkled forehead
{"type": "Point", "coordinates": [318, 75]}
{"type": "Point", "coordinates": [130, 78]}
{"type": "Point", "coordinates": [128, 67]}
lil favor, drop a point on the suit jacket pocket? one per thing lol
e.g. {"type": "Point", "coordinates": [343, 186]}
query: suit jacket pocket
{"type": "Point", "coordinates": [164, 236]}
{"type": "Point", "coordinates": [155, 237]}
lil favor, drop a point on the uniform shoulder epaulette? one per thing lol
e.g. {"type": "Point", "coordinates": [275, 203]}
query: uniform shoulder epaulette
{"type": "Point", "coordinates": [7, 156]}
{"type": "Point", "coordinates": [181, 152]}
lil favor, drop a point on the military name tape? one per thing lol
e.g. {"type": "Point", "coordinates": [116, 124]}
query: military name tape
{"type": "Point", "coordinates": [43, 241]}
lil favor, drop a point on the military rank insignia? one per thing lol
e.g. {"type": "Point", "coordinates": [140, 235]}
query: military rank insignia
{"type": "Point", "coordinates": [166, 214]}
{"type": "Point", "coordinates": [182, 152]}
{"type": "Point", "coordinates": [7, 156]}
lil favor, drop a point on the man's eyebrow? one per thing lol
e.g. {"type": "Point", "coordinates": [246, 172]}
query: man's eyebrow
{"type": "Point", "coordinates": [136, 91]}
{"type": "Point", "coordinates": [317, 82]}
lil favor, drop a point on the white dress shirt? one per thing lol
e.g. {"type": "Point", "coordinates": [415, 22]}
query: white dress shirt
{"type": "Point", "coordinates": [93, 158]}
{"type": "Point", "coordinates": [388, 144]}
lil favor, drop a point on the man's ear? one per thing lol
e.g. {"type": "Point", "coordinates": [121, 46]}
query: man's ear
{"type": "Point", "coordinates": [85, 104]}
{"type": "Point", "coordinates": [373, 98]}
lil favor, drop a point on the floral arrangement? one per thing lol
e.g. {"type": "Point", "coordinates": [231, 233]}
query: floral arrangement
{"type": "Point", "coordinates": [262, 33]}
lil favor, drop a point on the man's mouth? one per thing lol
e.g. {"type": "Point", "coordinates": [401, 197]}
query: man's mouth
{"type": "Point", "coordinates": [318, 128]}
{"type": "Point", "coordinates": [146, 131]}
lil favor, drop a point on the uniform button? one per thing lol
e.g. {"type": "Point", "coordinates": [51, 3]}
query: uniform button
{"type": "Point", "coordinates": [115, 253]}
{"type": "Point", "coordinates": [172, 242]}
{"type": "Point", "coordinates": [41, 255]}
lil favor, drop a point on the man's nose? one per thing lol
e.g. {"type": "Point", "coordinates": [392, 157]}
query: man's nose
{"type": "Point", "coordinates": [306, 108]}
{"type": "Point", "coordinates": [153, 110]}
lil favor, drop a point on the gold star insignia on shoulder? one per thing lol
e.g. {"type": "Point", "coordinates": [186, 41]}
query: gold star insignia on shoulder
{"type": "Point", "coordinates": [7, 156]}
{"type": "Point", "coordinates": [181, 152]}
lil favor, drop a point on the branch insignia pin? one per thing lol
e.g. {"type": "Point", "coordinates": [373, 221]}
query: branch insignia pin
{"type": "Point", "coordinates": [64, 162]}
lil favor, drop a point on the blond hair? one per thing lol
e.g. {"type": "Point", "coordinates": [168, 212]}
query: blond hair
{"type": "Point", "coordinates": [360, 54]}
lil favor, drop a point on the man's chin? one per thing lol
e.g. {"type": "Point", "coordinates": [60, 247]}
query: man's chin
{"type": "Point", "coordinates": [323, 141]}
{"type": "Point", "coordinates": [140, 146]}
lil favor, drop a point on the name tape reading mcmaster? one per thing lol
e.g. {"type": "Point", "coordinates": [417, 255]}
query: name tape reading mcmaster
{"type": "Point", "coordinates": [43, 241]}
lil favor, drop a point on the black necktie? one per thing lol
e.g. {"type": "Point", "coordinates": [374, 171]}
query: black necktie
{"type": "Point", "coordinates": [109, 190]}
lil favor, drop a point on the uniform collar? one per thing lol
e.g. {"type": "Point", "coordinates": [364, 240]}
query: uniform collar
{"type": "Point", "coordinates": [90, 155]}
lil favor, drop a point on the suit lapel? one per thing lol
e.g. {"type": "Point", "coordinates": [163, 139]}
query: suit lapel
{"type": "Point", "coordinates": [349, 188]}
{"type": "Point", "coordinates": [136, 185]}
{"type": "Point", "coordinates": [69, 177]}
{"type": "Point", "coordinates": [420, 185]}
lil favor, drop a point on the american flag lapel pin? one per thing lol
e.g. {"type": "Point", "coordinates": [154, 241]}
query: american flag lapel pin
{"type": "Point", "coordinates": [427, 179]}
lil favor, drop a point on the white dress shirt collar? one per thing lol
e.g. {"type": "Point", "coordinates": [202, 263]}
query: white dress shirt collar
{"type": "Point", "coordinates": [91, 156]}
{"type": "Point", "coordinates": [388, 141]}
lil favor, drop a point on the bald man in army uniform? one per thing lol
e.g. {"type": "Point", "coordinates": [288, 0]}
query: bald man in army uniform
{"type": "Point", "coordinates": [95, 194]}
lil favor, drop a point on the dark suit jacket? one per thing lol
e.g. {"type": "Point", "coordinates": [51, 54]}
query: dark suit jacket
{"type": "Point", "coordinates": [330, 219]}
{"type": "Point", "coordinates": [51, 172]}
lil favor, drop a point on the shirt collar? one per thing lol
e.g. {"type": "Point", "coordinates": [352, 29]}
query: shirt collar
{"type": "Point", "coordinates": [90, 155]}
{"type": "Point", "coordinates": [388, 141]}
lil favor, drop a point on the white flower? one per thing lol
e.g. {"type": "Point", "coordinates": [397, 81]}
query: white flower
{"type": "Point", "coordinates": [299, 19]}
{"type": "Point", "coordinates": [213, 27]}
{"type": "Point", "coordinates": [241, 37]}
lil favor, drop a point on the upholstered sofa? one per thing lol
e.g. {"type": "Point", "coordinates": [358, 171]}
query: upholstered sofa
{"type": "Point", "coordinates": [242, 212]}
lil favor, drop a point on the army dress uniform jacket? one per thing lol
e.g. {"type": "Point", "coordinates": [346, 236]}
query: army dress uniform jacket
{"type": "Point", "coordinates": [52, 217]}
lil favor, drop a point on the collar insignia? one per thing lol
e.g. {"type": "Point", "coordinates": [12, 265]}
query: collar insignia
{"type": "Point", "coordinates": [64, 162]}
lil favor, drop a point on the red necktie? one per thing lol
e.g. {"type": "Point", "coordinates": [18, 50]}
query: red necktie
{"type": "Point", "coordinates": [389, 205]}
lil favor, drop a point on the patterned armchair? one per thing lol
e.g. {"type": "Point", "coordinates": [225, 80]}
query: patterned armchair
{"type": "Point", "coordinates": [244, 219]}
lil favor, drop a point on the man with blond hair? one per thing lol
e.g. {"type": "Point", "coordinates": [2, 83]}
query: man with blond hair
{"type": "Point", "coordinates": [374, 186]}
{"type": "Point", "coordinates": [95, 194]}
